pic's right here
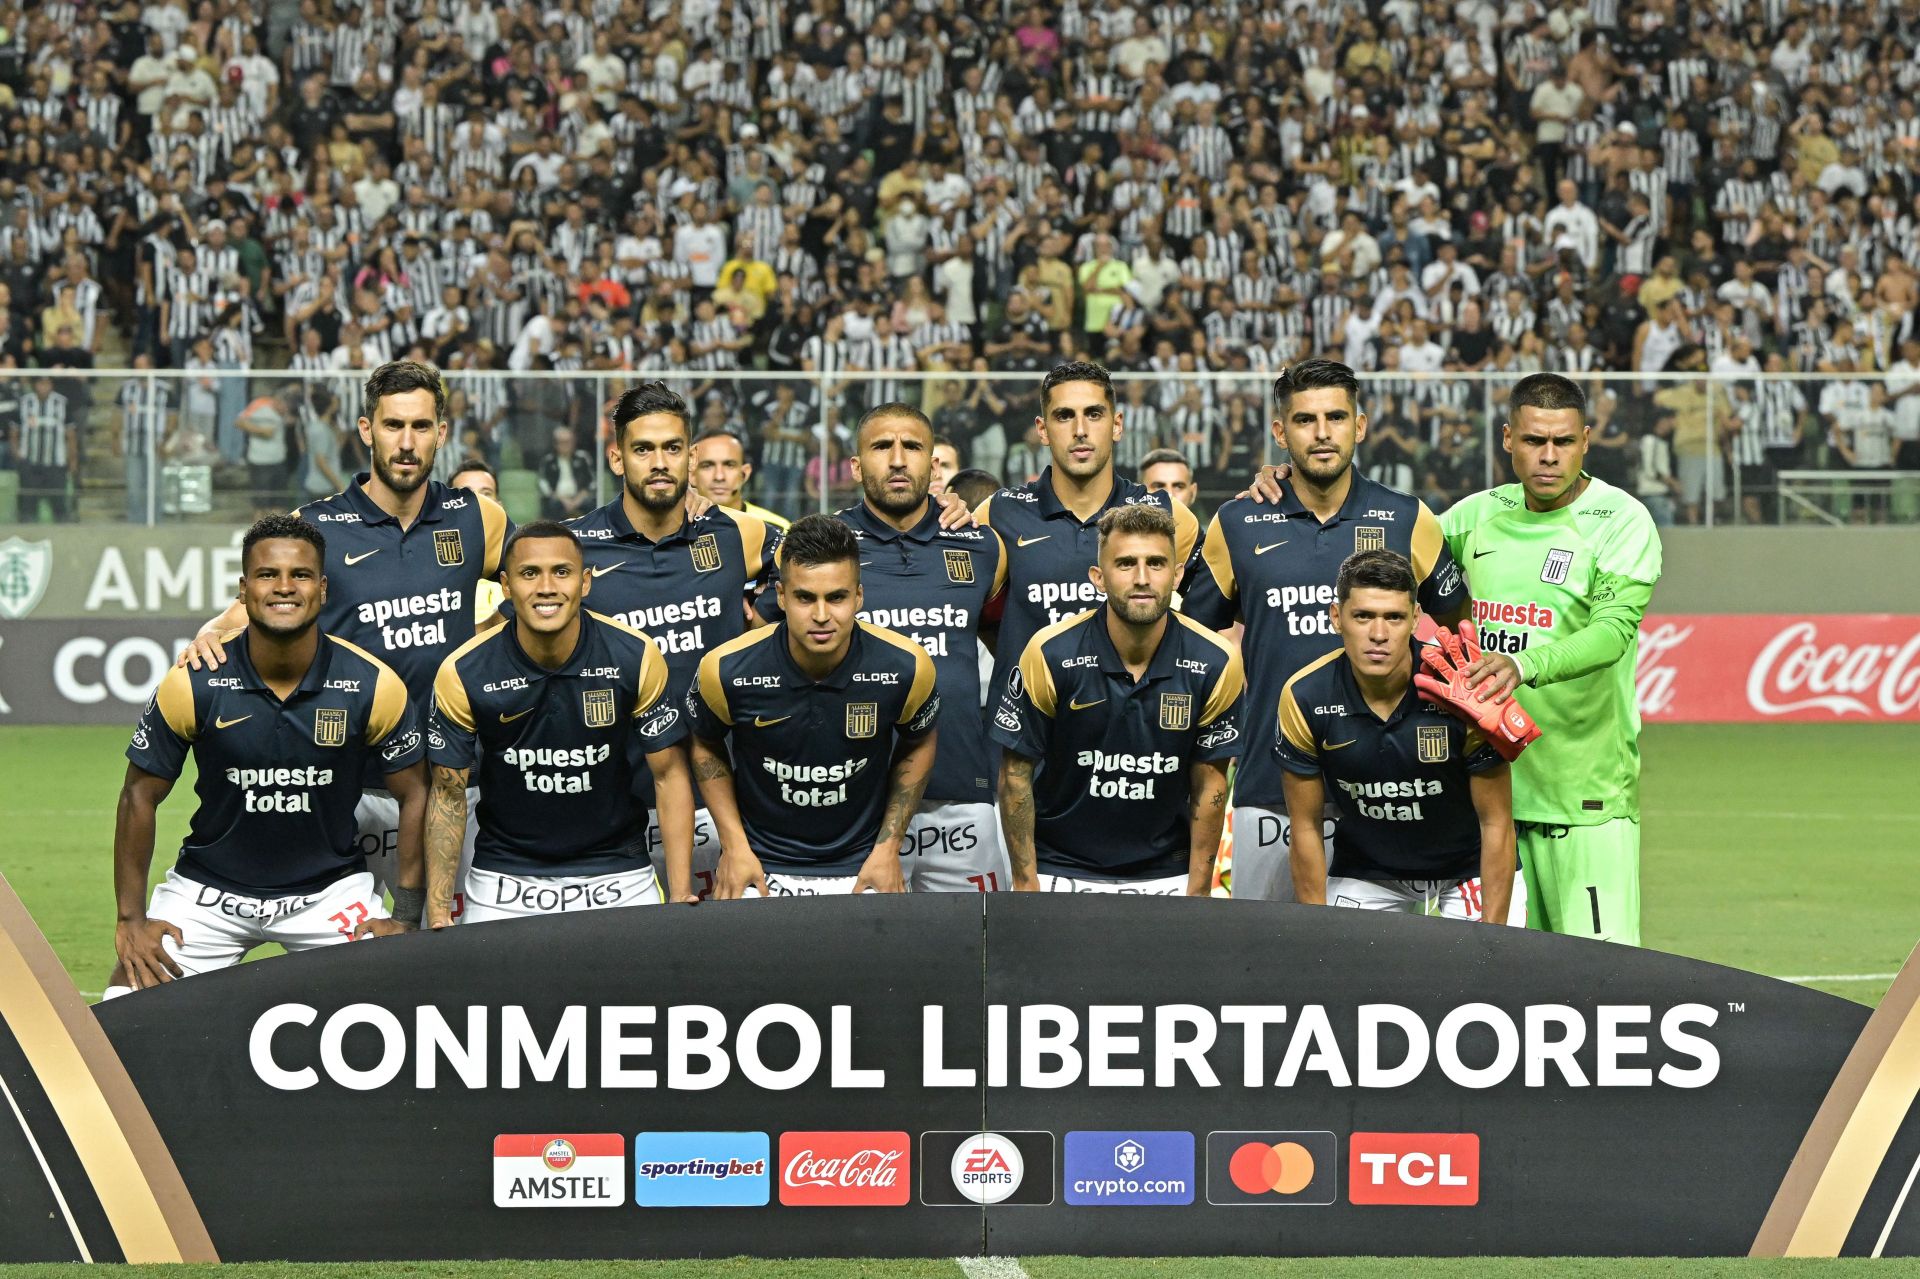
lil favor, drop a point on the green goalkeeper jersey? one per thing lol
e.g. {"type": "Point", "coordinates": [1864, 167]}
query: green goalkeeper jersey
{"type": "Point", "coordinates": [1562, 593]}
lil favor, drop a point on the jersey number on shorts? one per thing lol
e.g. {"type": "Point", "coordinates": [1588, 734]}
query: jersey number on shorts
{"type": "Point", "coordinates": [358, 911]}
{"type": "Point", "coordinates": [987, 883]}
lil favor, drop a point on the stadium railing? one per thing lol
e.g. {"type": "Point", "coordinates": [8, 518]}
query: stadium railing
{"type": "Point", "coordinates": [1768, 448]}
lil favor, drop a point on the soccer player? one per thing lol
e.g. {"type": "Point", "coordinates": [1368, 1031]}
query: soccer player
{"type": "Point", "coordinates": [1273, 565]}
{"type": "Point", "coordinates": [973, 486]}
{"type": "Point", "coordinates": [683, 580]}
{"type": "Point", "coordinates": [932, 585]}
{"type": "Point", "coordinates": [559, 702]}
{"type": "Point", "coordinates": [280, 739]}
{"type": "Point", "coordinates": [946, 464]}
{"type": "Point", "coordinates": [830, 722]}
{"type": "Point", "coordinates": [1050, 526]}
{"type": "Point", "coordinates": [721, 472]}
{"type": "Point", "coordinates": [476, 476]}
{"type": "Point", "coordinates": [1168, 471]}
{"type": "Point", "coordinates": [1118, 727]}
{"type": "Point", "coordinates": [1562, 567]}
{"type": "Point", "coordinates": [1425, 804]}
{"type": "Point", "coordinates": [405, 559]}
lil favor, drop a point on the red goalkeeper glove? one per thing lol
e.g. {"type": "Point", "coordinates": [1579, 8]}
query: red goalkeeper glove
{"type": "Point", "coordinates": [1507, 727]}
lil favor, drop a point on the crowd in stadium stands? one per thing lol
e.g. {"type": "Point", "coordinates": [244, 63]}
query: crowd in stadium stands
{"type": "Point", "coordinates": [850, 187]}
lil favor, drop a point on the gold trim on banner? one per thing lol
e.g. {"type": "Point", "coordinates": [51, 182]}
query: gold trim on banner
{"type": "Point", "coordinates": [126, 1160]}
{"type": "Point", "coordinates": [1820, 1197]}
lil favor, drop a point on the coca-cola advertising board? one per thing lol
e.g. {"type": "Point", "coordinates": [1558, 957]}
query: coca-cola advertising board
{"type": "Point", "coordinates": [1749, 668]}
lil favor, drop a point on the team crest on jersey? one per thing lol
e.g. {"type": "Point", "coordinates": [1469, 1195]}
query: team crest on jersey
{"type": "Point", "coordinates": [706, 553]}
{"type": "Point", "coordinates": [1430, 743]}
{"type": "Point", "coordinates": [1176, 712]}
{"type": "Point", "coordinates": [447, 548]}
{"type": "Point", "coordinates": [1554, 572]}
{"type": "Point", "coordinates": [1369, 537]}
{"type": "Point", "coordinates": [329, 727]}
{"type": "Point", "coordinates": [598, 704]}
{"type": "Point", "coordinates": [959, 567]}
{"type": "Point", "coordinates": [863, 719]}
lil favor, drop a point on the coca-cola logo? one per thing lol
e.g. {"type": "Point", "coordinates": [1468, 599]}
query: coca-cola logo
{"type": "Point", "coordinates": [1653, 677]}
{"type": "Point", "coordinates": [1795, 672]}
{"type": "Point", "coordinates": [819, 1169]}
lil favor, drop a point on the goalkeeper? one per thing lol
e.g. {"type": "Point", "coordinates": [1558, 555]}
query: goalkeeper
{"type": "Point", "coordinates": [1561, 567]}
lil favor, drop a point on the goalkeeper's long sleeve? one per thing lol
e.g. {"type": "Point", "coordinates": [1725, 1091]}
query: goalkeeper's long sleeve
{"type": "Point", "coordinates": [1604, 640]}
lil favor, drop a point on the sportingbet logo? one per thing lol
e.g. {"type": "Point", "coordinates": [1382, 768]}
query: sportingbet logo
{"type": "Point", "coordinates": [1795, 672]}
{"type": "Point", "coordinates": [1129, 1169]}
{"type": "Point", "coordinates": [700, 1169]}
{"type": "Point", "coordinates": [1428, 1169]}
{"type": "Point", "coordinates": [559, 1170]}
{"type": "Point", "coordinates": [842, 1169]}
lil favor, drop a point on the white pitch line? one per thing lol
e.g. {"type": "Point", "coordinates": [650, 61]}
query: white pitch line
{"type": "Point", "coordinates": [992, 1267]}
{"type": "Point", "coordinates": [1839, 977]}
{"type": "Point", "coordinates": [1880, 1245]}
{"type": "Point", "coordinates": [73, 1228]}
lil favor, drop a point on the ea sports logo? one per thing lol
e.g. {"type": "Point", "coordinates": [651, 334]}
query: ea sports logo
{"type": "Point", "coordinates": [558, 1154]}
{"type": "Point", "coordinates": [987, 1168]}
{"type": "Point", "coordinates": [1284, 1168]}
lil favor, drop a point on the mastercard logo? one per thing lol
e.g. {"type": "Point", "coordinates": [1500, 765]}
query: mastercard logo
{"type": "Point", "coordinates": [1284, 1168]}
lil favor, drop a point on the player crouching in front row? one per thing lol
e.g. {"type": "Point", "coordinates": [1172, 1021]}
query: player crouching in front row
{"type": "Point", "coordinates": [1118, 726]}
{"type": "Point", "coordinates": [280, 735]}
{"type": "Point", "coordinates": [556, 705]}
{"type": "Point", "coordinates": [1425, 803]}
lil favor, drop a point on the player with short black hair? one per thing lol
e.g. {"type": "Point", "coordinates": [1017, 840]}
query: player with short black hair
{"type": "Point", "coordinates": [973, 485]}
{"type": "Point", "coordinates": [1117, 727]}
{"type": "Point", "coordinates": [1425, 804]}
{"type": "Point", "coordinates": [813, 738]}
{"type": "Point", "coordinates": [280, 735]}
{"type": "Point", "coordinates": [554, 709]}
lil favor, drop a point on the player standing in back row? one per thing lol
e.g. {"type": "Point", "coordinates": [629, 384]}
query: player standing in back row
{"type": "Point", "coordinates": [1562, 567]}
{"type": "Point", "coordinates": [1051, 526]}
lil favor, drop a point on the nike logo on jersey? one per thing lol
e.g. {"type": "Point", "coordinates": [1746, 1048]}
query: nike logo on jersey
{"type": "Point", "coordinates": [1029, 541]}
{"type": "Point", "coordinates": [1077, 705]}
{"type": "Point", "coordinates": [1262, 550]}
{"type": "Point", "coordinates": [508, 719]}
{"type": "Point", "coordinates": [1478, 554]}
{"type": "Point", "coordinates": [1334, 746]}
{"type": "Point", "coordinates": [609, 568]}
{"type": "Point", "coordinates": [229, 723]}
{"type": "Point", "coordinates": [355, 559]}
{"type": "Point", "coordinates": [769, 723]}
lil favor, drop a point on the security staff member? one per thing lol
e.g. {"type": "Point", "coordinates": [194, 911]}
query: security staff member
{"type": "Point", "coordinates": [405, 559]}
{"type": "Point", "coordinates": [831, 727]}
{"type": "Point", "coordinates": [933, 585]}
{"type": "Point", "coordinates": [1117, 731]}
{"type": "Point", "coordinates": [1425, 804]}
{"type": "Point", "coordinates": [1049, 525]}
{"type": "Point", "coordinates": [559, 702]}
{"type": "Point", "coordinates": [684, 581]}
{"type": "Point", "coordinates": [1273, 566]}
{"type": "Point", "coordinates": [280, 739]}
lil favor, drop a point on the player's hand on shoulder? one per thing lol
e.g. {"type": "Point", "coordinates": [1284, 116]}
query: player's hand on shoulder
{"type": "Point", "coordinates": [143, 953]}
{"type": "Point", "coordinates": [204, 652]}
{"type": "Point", "coordinates": [954, 512]}
{"type": "Point", "coordinates": [381, 928]}
{"type": "Point", "coordinates": [881, 873]}
{"type": "Point", "coordinates": [1265, 488]}
{"type": "Point", "coordinates": [738, 871]}
{"type": "Point", "coordinates": [698, 504]}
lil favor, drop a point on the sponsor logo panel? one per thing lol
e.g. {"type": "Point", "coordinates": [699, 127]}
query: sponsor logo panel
{"type": "Point", "coordinates": [559, 1170]}
{"type": "Point", "coordinates": [845, 1169]}
{"type": "Point", "coordinates": [971, 1169]}
{"type": "Point", "coordinates": [1263, 1168]}
{"type": "Point", "coordinates": [1124, 1169]}
{"type": "Point", "coordinates": [701, 1169]}
{"type": "Point", "coordinates": [1426, 1169]}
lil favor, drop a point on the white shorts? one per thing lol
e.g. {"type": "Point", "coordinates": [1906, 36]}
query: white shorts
{"type": "Point", "coordinates": [1445, 898]}
{"type": "Point", "coordinates": [1165, 886]}
{"type": "Point", "coordinates": [217, 928]}
{"type": "Point", "coordinates": [956, 848]}
{"type": "Point", "coordinates": [1262, 853]}
{"type": "Point", "coordinates": [790, 885]}
{"type": "Point", "coordinates": [706, 852]}
{"type": "Point", "coordinates": [378, 818]}
{"type": "Point", "coordinates": [494, 895]}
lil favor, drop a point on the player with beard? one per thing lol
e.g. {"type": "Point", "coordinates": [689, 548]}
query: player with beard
{"type": "Point", "coordinates": [931, 585]}
{"type": "Point", "coordinates": [405, 556]}
{"type": "Point", "coordinates": [1274, 565]}
{"type": "Point", "coordinates": [683, 580]}
{"type": "Point", "coordinates": [1118, 726]}
{"type": "Point", "coordinates": [1050, 526]}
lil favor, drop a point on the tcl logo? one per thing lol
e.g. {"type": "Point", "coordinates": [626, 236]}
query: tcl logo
{"type": "Point", "coordinates": [836, 1169]}
{"type": "Point", "coordinates": [1436, 1169]}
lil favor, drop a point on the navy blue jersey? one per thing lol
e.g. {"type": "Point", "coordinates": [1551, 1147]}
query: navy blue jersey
{"type": "Point", "coordinates": [278, 780]}
{"type": "Point", "coordinates": [1399, 785]}
{"type": "Point", "coordinates": [933, 586]}
{"type": "Point", "coordinates": [1273, 567]}
{"type": "Point", "coordinates": [1049, 552]}
{"type": "Point", "coordinates": [1111, 781]}
{"type": "Point", "coordinates": [812, 758]}
{"type": "Point", "coordinates": [554, 747]}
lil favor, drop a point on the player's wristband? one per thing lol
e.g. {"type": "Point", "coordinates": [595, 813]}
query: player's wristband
{"type": "Point", "coordinates": [409, 904]}
{"type": "Point", "coordinates": [1520, 664]}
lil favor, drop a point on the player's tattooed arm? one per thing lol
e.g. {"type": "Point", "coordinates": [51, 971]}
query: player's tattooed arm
{"type": "Point", "coordinates": [739, 869]}
{"type": "Point", "coordinates": [906, 783]}
{"type": "Point", "coordinates": [446, 828]}
{"type": "Point", "coordinates": [1306, 801]}
{"type": "Point", "coordinates": [1206, 815]}
{"type": "Point", "coordinates": [1016, 819]}
{"type": "Point", "coordinates": [137, 939]}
